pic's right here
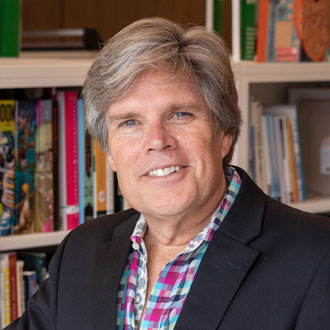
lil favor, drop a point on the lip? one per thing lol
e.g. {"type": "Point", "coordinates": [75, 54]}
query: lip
{"type": "Point", "coordinates": [162, 167]}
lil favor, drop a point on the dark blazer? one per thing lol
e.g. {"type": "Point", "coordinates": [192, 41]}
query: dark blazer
{"type": "Point", "coordinates": [266, 268]}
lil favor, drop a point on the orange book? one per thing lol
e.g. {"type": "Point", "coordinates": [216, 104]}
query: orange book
{"type": "Point", "coordinates": [262, 30]}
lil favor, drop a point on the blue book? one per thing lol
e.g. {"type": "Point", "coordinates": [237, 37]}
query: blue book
{"type": "Point", "coordinates": [81, 156]}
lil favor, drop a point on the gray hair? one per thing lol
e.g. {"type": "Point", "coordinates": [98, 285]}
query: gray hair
{"type": "Point", "coordinates": [155, 43]}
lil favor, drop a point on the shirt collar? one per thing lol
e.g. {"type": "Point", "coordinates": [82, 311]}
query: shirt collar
{"type": "Point", "coordinates": [234, 182]}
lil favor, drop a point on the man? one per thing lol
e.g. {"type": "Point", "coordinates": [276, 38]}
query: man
{"type": "Point", "coordinates": [203, 246]}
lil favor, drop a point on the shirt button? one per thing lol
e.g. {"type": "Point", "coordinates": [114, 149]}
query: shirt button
{"type": "Point", "coordinates": [135, 246]}
{"type": "Point", "coordinates": [138, 298]}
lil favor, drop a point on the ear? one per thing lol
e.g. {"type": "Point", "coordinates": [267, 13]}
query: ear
{"type": "Point", "coordinates": [111, 163]}
{"type": "Point", "coordinates": [227, 141]}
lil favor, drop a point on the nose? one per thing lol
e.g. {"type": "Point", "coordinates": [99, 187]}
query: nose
{"type": "Point", "coordinates": [158, 137]}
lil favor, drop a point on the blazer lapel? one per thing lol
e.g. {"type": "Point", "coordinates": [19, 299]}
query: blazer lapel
{"type": "Point", "coordinates": [226, 261]}
{"type": "Point", "coordinates": [109, 262]}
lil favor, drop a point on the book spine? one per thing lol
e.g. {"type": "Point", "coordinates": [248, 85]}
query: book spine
{"type": "Point", "coordinates": [89, 206]}
{"type": "Point", "coordinates": [13, 286]}
{"type": "Point", "coordinates": [20, 287]}
{"type": "Point", "coordinates": [217, 15]}
{"type": "Point", "coordinates": [100, 179]}
{"type": "Point", "coordinates": [62, 163]}
{"type": "Point", "coordinates": [262, 30]}
{"type": "Point", "coordinates": [248, 29]}
{"type": "Point", "coordinates": [72, 159]}
{"type": "Point", "coordinates": [10, 22]}
{"type": "Point", "coordinates": [55, 135]}
{"type": "Point", "coordinates": [43, 201]}
{"type": "Point", "coordinates": [81, 162]}
{"type": "Point", "coordinates": [25, 164]}
{"type": "Point", "coordinates": [6, 289]}
{"type": "Point", "coordinates": [7, 173]}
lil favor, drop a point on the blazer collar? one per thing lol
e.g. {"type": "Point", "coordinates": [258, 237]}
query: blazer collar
{"type": "Point", "coordinates": [226, 261]}
{"type": "Point", "coordinates": [108, 265]}
{"type": "Point", "coordinates": [222, 270]}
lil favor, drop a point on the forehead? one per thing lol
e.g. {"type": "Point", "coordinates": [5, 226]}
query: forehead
{"type": "Point", "coordinates": [157, 86]}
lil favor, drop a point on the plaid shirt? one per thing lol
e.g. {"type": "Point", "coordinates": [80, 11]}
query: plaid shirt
{"type": "Point", "coordinates": [171, 289]}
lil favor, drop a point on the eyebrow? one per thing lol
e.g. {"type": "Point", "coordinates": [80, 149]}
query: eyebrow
{"type": "Point", "coordinates": [136, 114]}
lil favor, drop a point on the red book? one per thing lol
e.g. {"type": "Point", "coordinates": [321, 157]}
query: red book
{"type": "Point", "coordinates": [72, 178]}
{"type": "Point", "coordinates": [262, 30]}
{"type": "Point", "coordinates": [13, 286]}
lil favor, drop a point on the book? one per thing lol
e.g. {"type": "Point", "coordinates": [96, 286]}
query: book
{"type": "Point", "coordinates": [276, 33]}
{"type": "Point", "coordinates": [100, 175]}
{"type": "Point", "coordinates": [248, 29]}
{"type": "Point", "coordinates": [25, 122]}
{"type": "Point", "coordinates": [290, 111]}
{"type": "Point", "coordinates": [62, 173]}
{"type": "Point", "coordinates": [7, 166]}
{"type": "Point", "coordinates": [55, 148]}
{"type": "Point", "coordinates": [10, 26]}
{"type": "Point", "coordinates": [86, 165]}
{"type": "Point", "coordinates": [71, 140]}
{"type": "Point", "coordinates": [68, 160]}
{"type": "Point", "coordinates": [20, 288]}
{"type": "Point", "coordinates": [81, 162]}
{"type": "Point", "coordinates": [217, 16]}
{"type": "Point", "coordinates": [30, 284]}
{"type": "Point", "coordinates": [34, 261]}
{"type": "Point", "coordinates": [13, 286]}
{"type": "Point", "coordinates": [43, 201]}
{"type": "Point", "coordinates": [5, 289]}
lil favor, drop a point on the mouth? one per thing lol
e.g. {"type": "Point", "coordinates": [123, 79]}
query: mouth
{"type": "Point", "coordinates": [165, 171]}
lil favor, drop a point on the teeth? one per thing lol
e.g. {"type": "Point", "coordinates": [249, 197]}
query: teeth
{"type": "Point", "coordinates": [164, 171]}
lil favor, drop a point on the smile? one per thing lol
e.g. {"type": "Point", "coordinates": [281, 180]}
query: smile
{"type": "Point", "coordinates": [165, 171]}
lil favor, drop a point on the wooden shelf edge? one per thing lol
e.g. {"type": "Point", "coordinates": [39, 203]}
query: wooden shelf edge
{"type": "Point", "coordinates": [28, 241]}
{"type": "Point", "coordinates": [317, 204]}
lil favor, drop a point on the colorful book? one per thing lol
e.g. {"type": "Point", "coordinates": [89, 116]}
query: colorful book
{"type": "Point", "coordinates": [43, 202]}
{"type": "Point", "coordinates": [100, 186]}
{"type": "Point", "coordinates": [85, 156]}
{"type": "Point", "coordinates": [290, 111]}
{"type": "Point", "coordinates": [55, 136]}
{"type": "Point", "coordinates": [62, 191]}
{"type": "Point", "coordinates": [7, 166]}
{"type": "Point", "coordinates": [34, 261]}
{"type": "Point", "coordinates": [248, 29]}
{"type": "Point", "coordinates": [277, 35]}
{"type": "Point", "coordinates": [30, 284]}
{"type": "Point", "coordinates": [68, 164]}
{"type": "Point", "coordinates": [10, 21]}
{"type": "Point", "coordinates": [25, 165]}
{"type": "Point", "coordinates": [5, 304]}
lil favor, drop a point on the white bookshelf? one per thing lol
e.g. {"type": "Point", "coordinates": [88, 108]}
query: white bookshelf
{"type": "Point", "coordinates": [65, 69]}
{"type": "Point", "coordinates": [18, 242]}
{"type": "Point", "coordinates": [269, 81]}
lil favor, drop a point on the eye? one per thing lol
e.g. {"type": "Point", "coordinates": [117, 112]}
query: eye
{"type": "Point", "coordinates": [129, 123]}
{"type": "Point", "coordinates": [182, 114]}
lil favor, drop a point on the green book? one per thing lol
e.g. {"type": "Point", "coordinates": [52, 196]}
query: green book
{"type": "Point", "coordinates": [10, 12]}
{"type": "Point", "coordinates": [217, 11]}
{"type": "Point", "coordinates": [248, 29]}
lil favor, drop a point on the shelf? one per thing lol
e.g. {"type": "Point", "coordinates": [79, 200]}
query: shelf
{"type": "Point", "coordinates": [45, 69]}
{"type": "Point", "coordinates": [282, 72]}
{"type": "Point", "coordinates": [314, 204]}
{"type": "Point", "coordinates": [17, 242]}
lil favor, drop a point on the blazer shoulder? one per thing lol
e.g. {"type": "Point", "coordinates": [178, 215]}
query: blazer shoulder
{"type": "Point", "coordinates": [102, 229]}
{"type": "Point", "coordinates": [299, 224]}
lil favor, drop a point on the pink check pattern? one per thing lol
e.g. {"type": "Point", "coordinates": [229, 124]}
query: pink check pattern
{"type": "Point", "coordinates": [172, 287]}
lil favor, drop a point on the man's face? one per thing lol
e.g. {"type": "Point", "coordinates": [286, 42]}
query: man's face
{"type": "Point", "coordinates": [164, 148]}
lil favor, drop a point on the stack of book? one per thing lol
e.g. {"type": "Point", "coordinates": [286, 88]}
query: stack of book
{"type": "Point", "coordinates": [53, 175]}
{"type": "Point", "coordinates": [21, 274]}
